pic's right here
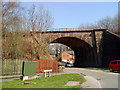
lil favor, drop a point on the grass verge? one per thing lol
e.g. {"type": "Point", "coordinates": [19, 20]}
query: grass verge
{"type": "Point", "coordinates": [57, 81]}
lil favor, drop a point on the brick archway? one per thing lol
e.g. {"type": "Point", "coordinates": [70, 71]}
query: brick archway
{"type": "Point", "coordinates": [84, 53]}
{"type": "Point", "coordinates": [100, 45]}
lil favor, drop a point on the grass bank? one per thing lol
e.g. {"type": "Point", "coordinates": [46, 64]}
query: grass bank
{"type": "Point", "coordinates": [57, 81]}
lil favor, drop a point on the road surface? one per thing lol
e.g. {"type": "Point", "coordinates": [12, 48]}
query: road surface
{"type": "Point", "coordinates": [107, 79]}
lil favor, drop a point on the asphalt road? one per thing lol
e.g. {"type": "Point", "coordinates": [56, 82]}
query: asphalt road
{"type": "Point", "coordinates": [107, 79]}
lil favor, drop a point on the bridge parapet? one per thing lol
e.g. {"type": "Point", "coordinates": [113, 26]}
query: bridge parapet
{"type": "Point", "coordinates": [81, 34]}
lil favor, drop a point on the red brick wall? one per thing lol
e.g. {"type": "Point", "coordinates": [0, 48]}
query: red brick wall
{"type": "Point", "coordinates": [46, 64]}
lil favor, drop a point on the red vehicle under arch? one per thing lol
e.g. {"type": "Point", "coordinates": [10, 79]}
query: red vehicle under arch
{"type": "Point", "coordinates": [114, 65]}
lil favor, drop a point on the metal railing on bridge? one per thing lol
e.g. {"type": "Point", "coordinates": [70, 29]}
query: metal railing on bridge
{"type": "Point", "coordinates": [73, 29]}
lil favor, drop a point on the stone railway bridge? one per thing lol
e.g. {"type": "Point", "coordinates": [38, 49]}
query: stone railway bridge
{"type": "Point", "coordinates": [92, 47]}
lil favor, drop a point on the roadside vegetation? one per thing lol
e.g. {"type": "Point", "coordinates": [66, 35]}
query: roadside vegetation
{"type": "Point", "coordinates": [56, 81]}
{"type": "Point", "coordinates": [17, 24]}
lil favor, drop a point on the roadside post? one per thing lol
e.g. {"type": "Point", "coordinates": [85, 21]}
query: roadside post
{"type": "Point", "coordinates": [47, 72]}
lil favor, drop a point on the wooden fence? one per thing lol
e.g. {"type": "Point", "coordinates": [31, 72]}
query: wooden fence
{"type": "Point", "coordinates": [46, 64]}
{"type": "Point", "coordinates": [14, 67]}
{"type": "Point", "coordinates": [11, 67]}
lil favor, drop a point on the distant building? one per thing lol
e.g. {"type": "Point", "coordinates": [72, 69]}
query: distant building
{"type": "Point", "coordinates": [68, 56]}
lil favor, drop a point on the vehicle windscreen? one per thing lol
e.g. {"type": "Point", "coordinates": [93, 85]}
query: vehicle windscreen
{"type": "Point", "coordinates": [114, 62]}
{"type": "Point", "coordinates": [118, 62]}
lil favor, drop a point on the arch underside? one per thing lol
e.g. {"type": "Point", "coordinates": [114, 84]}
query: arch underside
{"type": "Point", "coordinates": [84, 53]}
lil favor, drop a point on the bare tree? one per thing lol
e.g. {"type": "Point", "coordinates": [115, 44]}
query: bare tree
{"type": "Point", "coordinates": [11, 25]}
{"type": "Point", "coordinates": [109, 23]}
{"type": "Point", "coordinates": [115, 23]}
{"type": "Point", "coordinates": [44, 19]}
{"type": "Point", "coordinates": [88, 26]}
{"type": "Point", "coordinates": [105, 23]}
{"type": "Point", "coordinates": [10, 16]}
{"type": "Point", "coordinates": [17, 24]}
{"type": "Point", "coordinates": [39, 19]}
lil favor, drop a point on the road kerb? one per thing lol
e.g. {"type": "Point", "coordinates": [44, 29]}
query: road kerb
{"type": "Point", "coordinates": [91, 83]}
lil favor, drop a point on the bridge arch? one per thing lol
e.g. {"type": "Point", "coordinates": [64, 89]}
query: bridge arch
{"type": "Point", "coordinates": [84, 52]}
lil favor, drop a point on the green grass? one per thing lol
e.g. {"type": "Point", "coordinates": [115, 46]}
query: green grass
{"type": "Point", "coordinates": [57, 81]}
